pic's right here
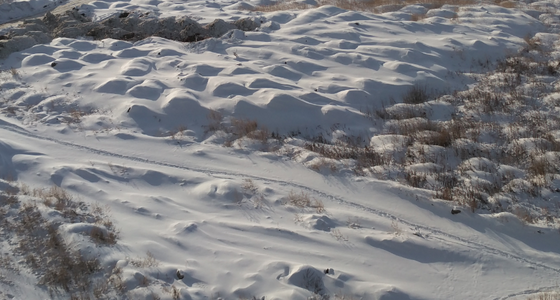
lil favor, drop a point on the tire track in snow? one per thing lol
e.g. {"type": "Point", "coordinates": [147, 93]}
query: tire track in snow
{"type": "Point", "coordinates": [434, 233]}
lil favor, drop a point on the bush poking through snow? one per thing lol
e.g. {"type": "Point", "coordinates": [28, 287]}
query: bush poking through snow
{"type": "Point", "coordinates": [546, 296]}
{"type": "Point", "coordinates": [303, 200]}
{"type": "Point", "coordinates": [215, 119]}
{"type": "Point", "coordinates": [416, 94]}
{"type": "Point", "coordinates": [495, 147]}
{"type": "Point", "coordinates": [40, 242]}
{"type": "Point", "coordinates": [145, 262]}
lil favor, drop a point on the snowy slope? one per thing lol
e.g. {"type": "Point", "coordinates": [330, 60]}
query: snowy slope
{"type": "Point", "coordinates": [15, 10]}
{"type": "Point", "coordinates": [127, 126]}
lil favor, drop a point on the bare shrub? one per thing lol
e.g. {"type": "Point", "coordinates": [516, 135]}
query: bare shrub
{"type": "Point", "coordinates": [319, 206]}
{"type": "Point", "coordinates": [415, 179]}
{"type": "Point", "coordinates": [175, 294]}
{"type": "Point", "coordinates": [147, 262]}
{"type": "Point", "coordinates": [416, 94]}
{"type": "Point", "coordinates": [303, 200]}
{"type": "Point", "coordinates": [540, 166]}
{"type": "Point", "coordinates": [506, 4]}
{"type": "Point", "coordinates": [300, 200]}
{"type": "Point", "coordinates": [532, 43]}
{"type": "Point", "coordinates": [241, 128]}
{"type": "Point", "coordinates": [177, 133]}
{"type": "Point", "coordinates": [249, 186]}
{"type": "Point", "coordinates": [323, 163]}
{"type": "Point", "coordinates": [9, 198]}
{"type": "Point", "coordinates": [417, 17]}
{"type": "Point", "coordinates": [545, 296]}
{"type": "Point", "coordinates": [116, 280]}
{"type": "Point", "coordinates": [524, 215]}
{"type": "Point", "coordinates": [55, 197]}
{"type": "Point", "coordinates": [248, 128]}
{"type": "Point", "coordinates": [397, 230]}
{"type": "Point", "coordinates": [40, 245]}
{"type": "Point", "coordinates": [66, 269]}
{"type": "Point", "coordinates": [365, 157]}
{"type": "Point", "coordinates": [215, 119]}
{"type": "Point", "coordinates": [100, 236]}
{"type": "Point", "coordinates": [445, 193]}
{"type": "Point", "coordinates": [442, 137]}
{"type": "Point", "coordinates": [75, 116]}
{"type": "Point", "coordinates": [100, 288]}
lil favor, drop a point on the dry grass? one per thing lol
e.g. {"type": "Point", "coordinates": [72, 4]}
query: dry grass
{"type": "Point", "coordinates": [397, 230]}
{"type": "Point", "coordinates": [303, 200]}
{"type": "Point", "coordinates": [237, 129]}
{"type": "Point", "coordinates": [506, 4]}
{"type": "Point", "coordinates": [417, 17]}
{"type": "Point", "coordinates": [249, 186]}
{"type": "Point", "coordinates": [109, 236]}
{"type": "Point", "coordinates": [215, 119]}
{"type": "Point", "coordinates": [240, 128]}
{"type": "Point", "coordinates": [145, 262]}
{"type": "Point", "coordinates": [323, 164]}
{"type": "Point", "coordinates": [416, 94]}
{"type": "Point", "coordinates": [545, 296]}
{"type": "Point", "coordinates": [177, 133]}
{"type": "Point", "coordinates": [504, 122]}
{"type": "Point", "coordinates": [40, 245]}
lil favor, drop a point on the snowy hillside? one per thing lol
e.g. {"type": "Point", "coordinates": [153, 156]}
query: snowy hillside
{"type": "Point", "coordinates": [406, 152]}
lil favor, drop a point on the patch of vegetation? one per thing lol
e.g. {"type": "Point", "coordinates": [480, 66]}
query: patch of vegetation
{"type": "Point", "coordinates": [41, 243]}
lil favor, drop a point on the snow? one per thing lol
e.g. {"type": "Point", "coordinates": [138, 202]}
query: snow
{"type": "Point", "coordinates": [15, 10]}
{"type": "Point", "coordinates": [127, 126]}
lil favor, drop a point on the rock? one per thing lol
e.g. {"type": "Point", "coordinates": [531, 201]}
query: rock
{"type": "Point", "coordinates": [455, 211]}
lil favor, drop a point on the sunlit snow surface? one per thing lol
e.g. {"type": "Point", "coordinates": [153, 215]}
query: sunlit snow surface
{"type": "Point", "coordinates": [185, 198]}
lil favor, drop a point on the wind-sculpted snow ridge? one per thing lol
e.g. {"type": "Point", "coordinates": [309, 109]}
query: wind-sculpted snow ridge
{"type": "Point", "coordinates": [300, 155]}
{"type": "Point", "coordinates": [329, 63]}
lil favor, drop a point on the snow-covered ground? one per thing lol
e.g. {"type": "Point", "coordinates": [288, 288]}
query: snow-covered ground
{"type": "Point", "coordinates": [15, 10]}
{"type": "Point", "coordinates": [197, 153]}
